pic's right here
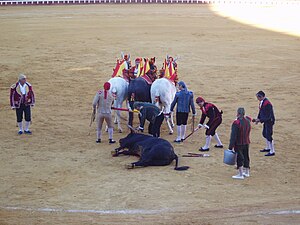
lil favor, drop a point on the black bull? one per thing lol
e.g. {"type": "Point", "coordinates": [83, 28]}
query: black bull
{"type": "Point", "coordinates": [151, 150]}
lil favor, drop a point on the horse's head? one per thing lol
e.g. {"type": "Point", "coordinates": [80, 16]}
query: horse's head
{"type": "Point", "coordinates": [152, 61]}
{"type": "Point", "coordinates": [130, 73]}
{"type": "Point", "coordinates": [138, 61]}
{"type": "Point", "coordinates": [152, 75]}
{"type": "Point", "coordinates": [161, 73]}
{"type": "Point", "coordinates": [126, 57]}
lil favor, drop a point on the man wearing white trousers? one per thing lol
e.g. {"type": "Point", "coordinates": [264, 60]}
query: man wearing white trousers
{"type": "Point", "coordinates": [215, 119]}
{"type": "Point", "coordinates": [22, 99]}
{"type": "Point", "coordinates": [103, 101]}
{"type": "Point", "coordinates": [184, 100]}
{"type": "Point", "coordinates": [267, 118]}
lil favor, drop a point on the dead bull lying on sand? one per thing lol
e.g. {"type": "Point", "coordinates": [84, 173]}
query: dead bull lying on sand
{"type": "Point", "coordinates": [151, 150]}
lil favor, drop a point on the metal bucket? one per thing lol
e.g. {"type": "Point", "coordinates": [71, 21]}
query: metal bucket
{"type": "Point", "coordinates": [229, 157]}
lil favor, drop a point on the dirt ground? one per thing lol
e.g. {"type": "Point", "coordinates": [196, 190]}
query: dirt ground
{"type": "Point", "coordinates": [59, 175]}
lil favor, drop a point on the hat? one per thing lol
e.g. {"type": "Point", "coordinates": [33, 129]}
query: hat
{"type": "Point", "coordinates": [260, 94]}
{"type": "Point", "coordinates": [22, 76]}
{"type": "Point", "coordinates": [182, 84]}
{"type": "Point", "coordinates": [200, 99]}
{"type": "Point", "coordinates": [106, 86]}
{"type": "Point", "coordinates": [137, 104]}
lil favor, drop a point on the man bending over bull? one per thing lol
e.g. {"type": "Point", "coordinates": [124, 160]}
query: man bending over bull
{"type": "Point", "coordinates": [103, 101]}
{"type": "Point", "coordinates": [215, 119]}
{"type": "Point", "coordinates": [153, 114]}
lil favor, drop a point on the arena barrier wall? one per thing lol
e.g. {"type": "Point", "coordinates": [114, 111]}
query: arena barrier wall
{"type": "Point", "coordinates": [78, 2]}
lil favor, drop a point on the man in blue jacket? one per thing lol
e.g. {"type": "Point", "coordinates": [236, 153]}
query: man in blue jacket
{"type": "Point", "coordinates": [184, 100]}
{"type": "Point", "coordinates": [266, 116]}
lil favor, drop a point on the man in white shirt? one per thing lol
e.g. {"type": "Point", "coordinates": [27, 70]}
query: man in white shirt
{"type": "Point", "coordinates": [103, 101]}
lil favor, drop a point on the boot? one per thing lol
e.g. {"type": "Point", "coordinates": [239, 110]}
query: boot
{"type": "Point", "coordinates": [20, 125]}
{"type": "Point", "coordinates": [240, 174]}
{"type": "Point", "coordinates": [246, 172]}
{"type": "Point", "coordinates": [272, 149]}
{"type": "Point", "coordinates": [26, 130]}
{"type": "Point", "coordinates": [219, 143]}
{"type": "Point", "coordinates": [98, 138]}
{"type": "Point", "coordinates": [110, 135]}
{"type": "Point", "coordinates": [267, 148]}
{"type": "Point", "coordinates": [178, 139]}
{"type": "Point", "coordinates": [207, 144]}
{"type": "Point", "coordinates": [183, 130]}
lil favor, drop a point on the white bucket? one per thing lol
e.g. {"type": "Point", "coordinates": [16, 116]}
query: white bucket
{"type": "Point", "coordinates": [229, 157]}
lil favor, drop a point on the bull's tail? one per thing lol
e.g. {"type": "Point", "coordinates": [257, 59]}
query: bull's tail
{"type": "Point", "coordinates": [181, 167]}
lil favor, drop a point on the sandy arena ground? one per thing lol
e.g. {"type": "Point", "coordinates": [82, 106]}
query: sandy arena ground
{"type": "Point", "coordinates": [59, 175]}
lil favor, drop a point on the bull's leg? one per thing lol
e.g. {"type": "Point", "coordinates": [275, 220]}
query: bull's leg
{"type": "Point", "coordinates": [121, 151]}
{"type": "Point", "coordinates": [134, 165]}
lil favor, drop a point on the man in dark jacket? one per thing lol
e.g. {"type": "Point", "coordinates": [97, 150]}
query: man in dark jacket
{"type": "Point", "coordinates": [22, 99]}
{"type": "Point", "coordinates": [215, 119]}
{"type": "Point", "coordinates": [153, 114]}
{"type": "Point", "coordinates": [239, 141]}
{"type": "Point", "coordinates": [266, 116]}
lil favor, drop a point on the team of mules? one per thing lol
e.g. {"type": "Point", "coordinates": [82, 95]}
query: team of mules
{"type": "Point", "coordinates": [144, 83]}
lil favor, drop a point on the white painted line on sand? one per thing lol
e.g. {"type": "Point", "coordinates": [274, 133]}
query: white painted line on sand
{"type": "Point", "coordinates": [125, 211]}
{"type": "Point", "coordinates": [286, 212]}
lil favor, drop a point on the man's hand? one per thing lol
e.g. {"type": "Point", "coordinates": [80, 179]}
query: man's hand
{"type": "Point", "coordinates": [200, 125]}
{"type": "Point", "coordinates": [256, 121]}
{"type": "Point", "coordinates": [139, 128]}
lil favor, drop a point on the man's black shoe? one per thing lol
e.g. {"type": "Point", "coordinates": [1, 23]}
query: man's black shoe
{"type": "Point", "coordinates": [265, 150]}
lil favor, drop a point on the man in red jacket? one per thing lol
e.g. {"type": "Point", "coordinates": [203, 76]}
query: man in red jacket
{"type": "Point", "coordinates": [21, 100]}
{"type": "Point", "coordinates": [215, 119]}
{"type": "Point", "coordinates": [239, 141]}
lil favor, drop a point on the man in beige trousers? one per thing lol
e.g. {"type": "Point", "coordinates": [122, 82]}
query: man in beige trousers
{"type": "Point", "coordinates": [103, 101]}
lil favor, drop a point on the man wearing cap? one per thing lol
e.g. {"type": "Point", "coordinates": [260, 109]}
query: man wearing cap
{"type": "Point", "coordinates": [215, 119]}
{"type": "Point", "coordinates": [266, 116]}
{"type": "Point", "coordinates": [21, 100]}
{"type": "Point", "coordinates": [239, 141]}
{"type": "Point", "coordinates": [184, 100]}
{"type": "Point", "coordinates": [153, 114]}
{"type": "Point", "coordinates": [103, 101]}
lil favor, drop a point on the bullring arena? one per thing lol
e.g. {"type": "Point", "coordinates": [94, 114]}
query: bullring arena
{"type": "Point", "coordinates": [59, 175]}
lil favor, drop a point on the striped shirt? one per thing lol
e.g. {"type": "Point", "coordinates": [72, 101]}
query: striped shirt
{"type": "Point", "coordinates": [240, 132]}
